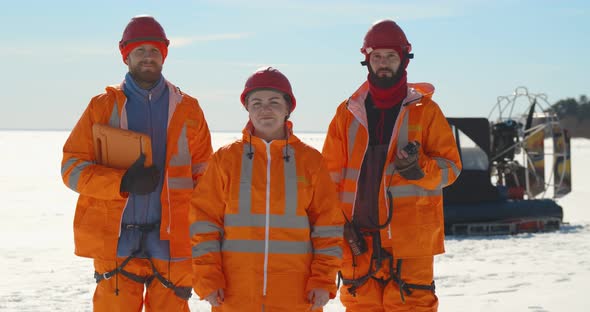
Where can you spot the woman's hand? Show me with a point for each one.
(318, 298)
(215, 299)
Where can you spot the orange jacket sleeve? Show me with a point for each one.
(199, 142)
(78, 168)
(334, 149)
(327, 222)
(439, 159)
(206, 230)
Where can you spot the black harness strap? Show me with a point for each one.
(355, 283)
(376, 259)
(380, 255)
(184, 292)
(119, 269)
(407, 287)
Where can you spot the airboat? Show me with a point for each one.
(516, 165)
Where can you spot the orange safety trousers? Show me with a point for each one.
(131, 293)
(376, 296)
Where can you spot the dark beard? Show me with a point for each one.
(383, 82)
(145, 79)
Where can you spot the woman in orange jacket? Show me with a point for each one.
(266, 227)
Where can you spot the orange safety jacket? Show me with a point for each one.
(266, 225)
(417, 224)
(97, 221)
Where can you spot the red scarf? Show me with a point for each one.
(384, 99)
(388, 98)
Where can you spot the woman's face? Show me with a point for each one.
(267, 110)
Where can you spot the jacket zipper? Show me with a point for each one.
(267, 222)
(151, 132)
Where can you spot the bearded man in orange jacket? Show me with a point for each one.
(266, 227)
(390, 151)
(134, 222)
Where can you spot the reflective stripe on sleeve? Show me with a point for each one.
(204, 248)
(203, 227)
(75, 173)
(327, 231)
(334, 251)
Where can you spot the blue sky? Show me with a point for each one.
(58, 54)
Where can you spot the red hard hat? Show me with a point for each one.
(268, 78)
(143, 28)
(386, 34)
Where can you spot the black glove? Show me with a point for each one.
(409, 167)
(139, 179)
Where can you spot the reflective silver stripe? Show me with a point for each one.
(352, 131)
(198, 168)
(290, 171)
(203, 227)
(444, 178)
(244, 197)
(402, 139)
(411, 190)
(351, 173)
(205, 248)
(444, 166)
(445, 163)
(327, 231)
(334, 251)
(274, 246)
(180, 183)
(347, 197)
(114, 120)
(75, 174)
(336, 177)
(182, 156)
(259, 220)
(70, 162)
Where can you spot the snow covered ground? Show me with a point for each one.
(39, 272)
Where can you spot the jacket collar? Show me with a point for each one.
(249, 137)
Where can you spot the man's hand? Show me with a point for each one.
(216, 298)
(318, 297)
(139, 179)
(406, 162)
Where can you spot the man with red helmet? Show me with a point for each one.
(134, 222)
(266, 227)
(390, 151)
